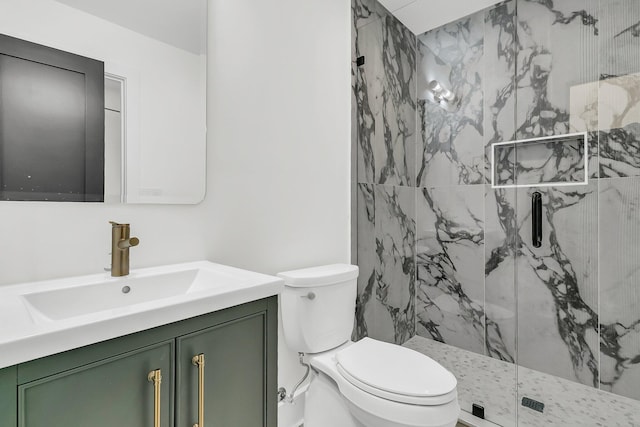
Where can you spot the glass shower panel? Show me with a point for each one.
(499, 70)
(619, 287)
(619, 192)
(557, 288)
(499, 93)
(500, 304)
(556, 273)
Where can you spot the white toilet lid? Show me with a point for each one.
(399, 373)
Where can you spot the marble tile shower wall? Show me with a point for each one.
(444, 255)
(384, 89)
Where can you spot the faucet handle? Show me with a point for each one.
(128, 243)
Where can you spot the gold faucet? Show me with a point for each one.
(120, 244)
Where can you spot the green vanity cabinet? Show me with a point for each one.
(112, 383)
(111, 392)
(9, 396)
(234, 377)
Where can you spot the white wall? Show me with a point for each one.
(40, 240)
(279, 129)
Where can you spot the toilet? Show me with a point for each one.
(368, 383)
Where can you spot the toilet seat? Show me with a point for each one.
(396, 373)
(373, 410)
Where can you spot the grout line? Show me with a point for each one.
(516, 388)
(418, 140)
(597, 254)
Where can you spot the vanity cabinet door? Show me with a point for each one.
(234, 375)
(108, 393)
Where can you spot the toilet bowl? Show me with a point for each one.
(405, 389)
(368, 383)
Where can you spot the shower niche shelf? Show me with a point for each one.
(552, 161)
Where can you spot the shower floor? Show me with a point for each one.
(492, 384)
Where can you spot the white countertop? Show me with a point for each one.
(27, 334)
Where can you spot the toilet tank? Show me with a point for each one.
(318, 307)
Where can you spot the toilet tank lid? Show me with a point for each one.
(319, 276)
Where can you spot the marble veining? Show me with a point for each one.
(452, 149)
(363, 126)
(500, 273)
(619, 116)
(385, 306)
(634, 31)
(619, 292)
(499, 90)
(450, 265)
(445, 256)
(364, 12)
(558, 46)
(620, 151)
(385, 93)
(366, 300)
(395, 231)
(619, 95)
(618, 52)
(557, 283)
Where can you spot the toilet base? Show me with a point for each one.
(325, 406)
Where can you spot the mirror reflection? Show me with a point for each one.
(154, 56)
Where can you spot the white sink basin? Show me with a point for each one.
(116, 293)
(43, 318)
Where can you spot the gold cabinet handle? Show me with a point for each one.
(199, 362)
(156, 377)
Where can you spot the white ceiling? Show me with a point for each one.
(424, 15)
(181, 23)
